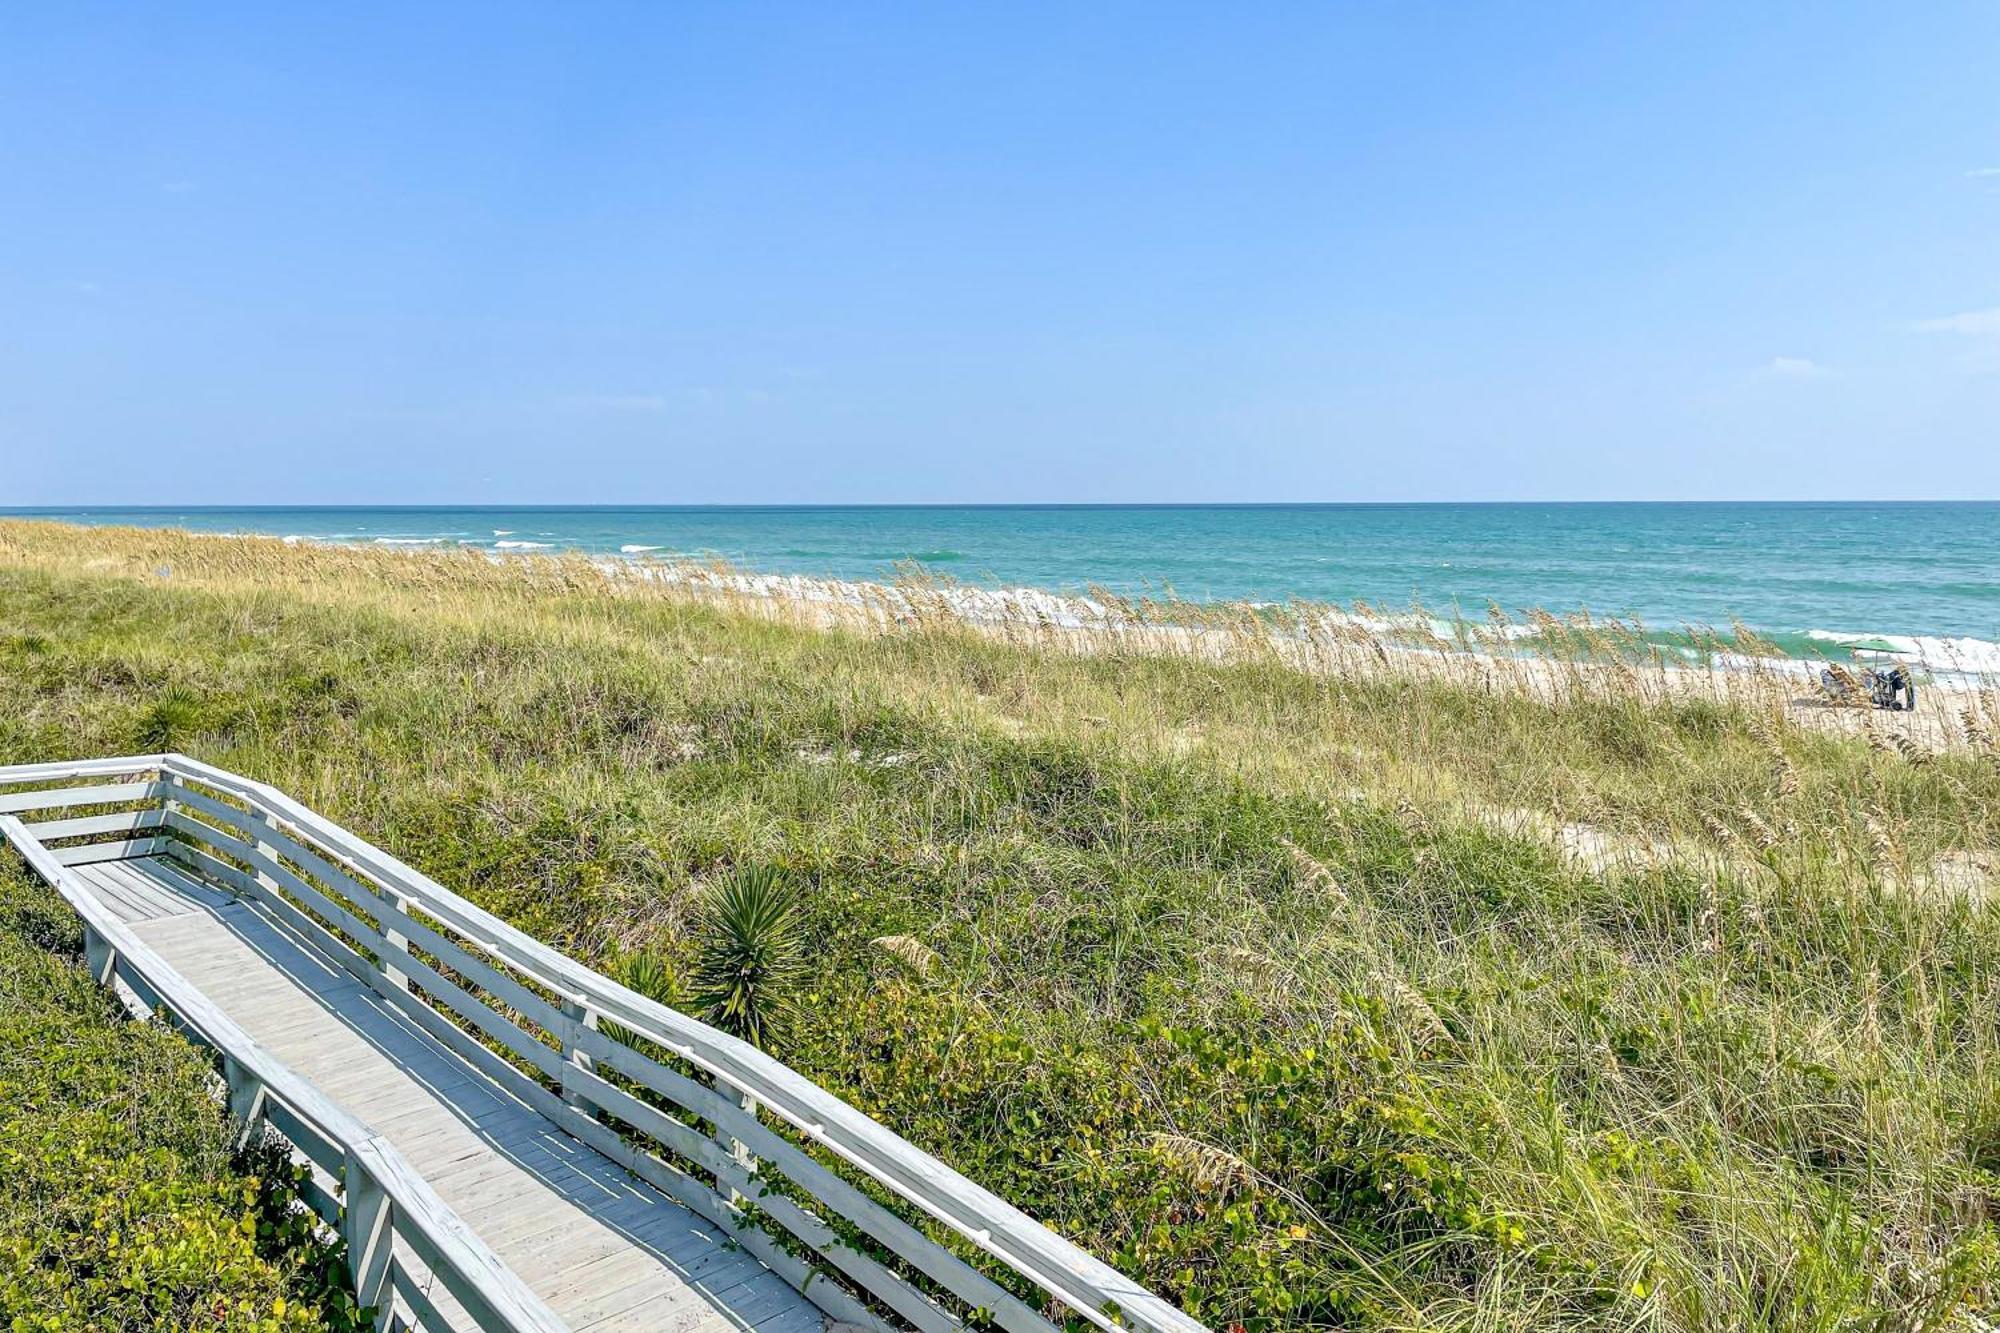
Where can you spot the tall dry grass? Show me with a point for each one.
(1539, 655)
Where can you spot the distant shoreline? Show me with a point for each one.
(1544, 656)
(753, 506)
(1803, 575)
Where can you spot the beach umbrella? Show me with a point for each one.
(1871, 645)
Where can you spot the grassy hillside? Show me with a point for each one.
(1310, 1000)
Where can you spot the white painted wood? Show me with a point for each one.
(91, 825)
(458, 958)
(488, 1156)
(579, 1019)
(64, 798)
(248, 823)
(69, 770)
(368, 1231)
(415, 1293)
(90, 852)
(1084, 1283)
(507, 969)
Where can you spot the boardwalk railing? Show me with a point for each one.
(871, 1229)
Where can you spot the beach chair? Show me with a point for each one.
(1841, 687)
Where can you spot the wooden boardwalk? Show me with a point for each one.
(505, 1139)
(603, 1249)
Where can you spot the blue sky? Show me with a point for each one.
(829, 253)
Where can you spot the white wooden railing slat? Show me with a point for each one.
(92, 825)
(63, 798)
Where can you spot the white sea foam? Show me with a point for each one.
(1955, 662)
(1961, 663)
(1026, 605)
(1940, 653)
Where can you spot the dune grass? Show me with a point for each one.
(1311, 999)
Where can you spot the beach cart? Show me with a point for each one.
(1886, 680)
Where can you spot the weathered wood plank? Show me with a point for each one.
(91, 852)
(91, 825)
(174, 882)
(143, 889)
(114, 893)
(68, 798)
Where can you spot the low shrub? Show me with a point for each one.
(122, 1203)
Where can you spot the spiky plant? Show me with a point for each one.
(750, 954)
(172, 717)
(651, 973)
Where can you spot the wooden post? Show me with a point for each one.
(394, 941)
(170, 806)
(740, 1150)
(246, 1100)
(262, 820)
(585, 1017)
(365, 1226)
(98, 956)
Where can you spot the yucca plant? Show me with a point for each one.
(750, 954)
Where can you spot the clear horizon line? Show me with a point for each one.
(154, 507)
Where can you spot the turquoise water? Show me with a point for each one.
(1920, 570)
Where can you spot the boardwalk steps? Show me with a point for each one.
(507, 1139)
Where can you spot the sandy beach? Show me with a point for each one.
(1956, 702)
(1544, 657)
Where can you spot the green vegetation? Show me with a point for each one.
(1310, 1000)
(122, 1205)
(749, 960)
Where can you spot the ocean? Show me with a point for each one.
(1804, 574)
